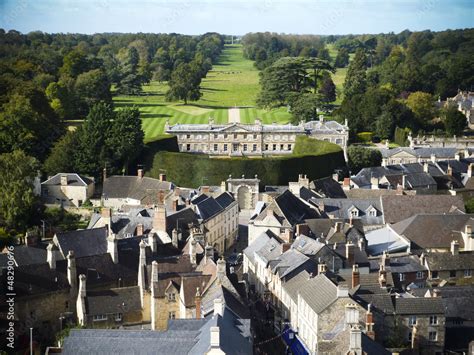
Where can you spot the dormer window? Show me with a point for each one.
(354, 212)
(171, 297)
(371, 211)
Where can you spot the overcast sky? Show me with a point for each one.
(235, 16)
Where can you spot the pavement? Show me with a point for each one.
(234, 115)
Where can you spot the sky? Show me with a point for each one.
(235, 16)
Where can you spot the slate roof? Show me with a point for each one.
(420, 152)
(26, 255)
(225, 199)
(118, 186)
(116, 300)
(293, 285)
(319, 292)
(208, 208)
(448, 261)
(419, 305)
(406, 263)
(83, 242)
(369, 291)
(328, 187)
(306, 245)
(341, 342)
(457, 301)
(269, 251)
(258, 243)
(400, 207)
(433, 230)
(73, 179)
(340, 208)
(230, 127)
(289, 261)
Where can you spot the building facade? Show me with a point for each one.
(235, 139)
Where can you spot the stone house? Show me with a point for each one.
(67, 189)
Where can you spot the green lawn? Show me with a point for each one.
(233, 81)
(340, 75)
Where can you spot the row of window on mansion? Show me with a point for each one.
(240, 137)
(236, 147)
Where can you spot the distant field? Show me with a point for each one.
(231, 82)
(340, 75)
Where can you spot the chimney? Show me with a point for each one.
(374, 182)
(355, 276)
(162, 177)
(433, 158)
(436, 293)
(140, 229)
(221, 268)
(175, 238)
(215, 338)
(174, 205)
(449, 170)
(106, 214)
(154, 302)
(414, 337)
(382, 276)
(422, 259)
(285, 247)
(350, 253)
(352, 314)
(361, 243)
(142, 272)
(455, 247)
(140, 173)
(385, 260)
(346, 184)
(322, 268)
(153, 242)
(457, 156)
(338, 227)
(192, 251)
(161, 196)
(159, 218)
(469, 170)
(197, 301)
(425, 167)
(51, 255)
(71, 271)
(355, 342)
(209, 252)
(218, 307)
(112, 247)
(287, 235)
(81, 301)
(223, 186)
(302, 229)
(369, 323)
(63, 179)
(321, 205)
(205, 190)
(404, 182)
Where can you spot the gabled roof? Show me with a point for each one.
(293, 209)
(370, 291)
(134, 187)
(448, 261)
(419, 305)
(341, 207)
(288, 262)
(85, 242)
(319, 292)
(73, 179)
(115, 300)
(258, 243)
(328, 187)
(208, 208)
(225, 199)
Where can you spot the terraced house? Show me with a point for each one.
(256, 139)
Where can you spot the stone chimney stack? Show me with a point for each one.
(355, 342)
(350, 253)
(81, 301)
(162, 177)
(154, 302)
(140, 173)
(285, 247)
(209, 252)
(455, 247)
(362, 244)
(223, 186)
(425, 167)
(205, 190)
(215, 338)
(72, 271)
(174, 238)
(51, 255)
(469, 170)
(436, 293)
(106, 214)
(322, 268)
(142, 271)
(351, 314)
(355, 276)
(374, 183)
(218, 307)
(433, 158)
(112, 247)
(192, 251)
(159, 218)
(382, 276)
(369, 323)
(197, 301)
(221, 268)
(457, 156)
(153, 242)
(449, 170)
(154, 271)
(385, 260)
(63, 179)
(140, 229)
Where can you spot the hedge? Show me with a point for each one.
(193, 170)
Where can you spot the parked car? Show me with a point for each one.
(235, 259)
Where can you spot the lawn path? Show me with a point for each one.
(234, 115)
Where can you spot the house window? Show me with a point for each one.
(216, 136)
(45, 192)
(289, 146)
(433, 336)
(215, 147)
(354, 212)
(188, 136)
(282, 147)
(467, 273)
(402, 277)
(412, 321)
(274, 147)
(245, 147)
(235, 147)
(188, 147)
(99, 317)
(434, 274)
(225, 147)
(245, 136)
(118, 317)
(373, 213)
(433, 320)
(339, 141)
(266, 146)
(254, 136)
(225, 136)
(171, 315)
(235, 135)
(254, 148)
(452, 273)
(171, 297)
(420, 274)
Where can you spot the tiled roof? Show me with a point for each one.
(419, 305)
(133, 187)
(225, 199)
(341, 207)
(116, 300)
(448, 261)
(258, 243)
(73, 179)
(319, 292)
(83, 242)
(328, 187)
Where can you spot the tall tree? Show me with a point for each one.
(184, 84)
(328, 90)
(17, 173)
(422, 106)
(62, 156)
(342, 58)
(130, 80)
(356, 81)
(454, 121)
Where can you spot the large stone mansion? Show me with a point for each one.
(236, 139)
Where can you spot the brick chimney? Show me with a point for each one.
(350, 253)
(174, 204)
(51, 255)
(346, 184)
(71, 271)
(112, 247)
(302, 229)
(63, 179)
(197, 301)
(159, 218)
(81, 301)
(162, 177)
(140, 173)
(355, 276)
(455, 247)
(205, 190)
(285, 247)
(140, 229)
(287, 235)
(369, 323)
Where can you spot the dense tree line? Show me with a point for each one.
(266, 48)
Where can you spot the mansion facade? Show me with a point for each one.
(236, 139)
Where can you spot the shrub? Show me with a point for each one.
(365, 137)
